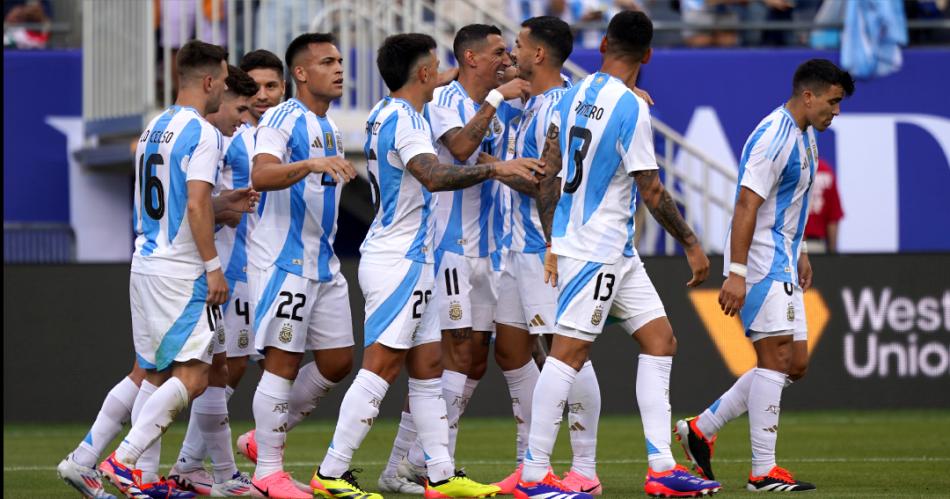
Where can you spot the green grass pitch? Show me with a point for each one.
(846, 454)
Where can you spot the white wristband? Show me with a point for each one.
(212, 264)
(494, 98)
(738, 269)
(804, 246)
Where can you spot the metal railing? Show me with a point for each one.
(33, 242)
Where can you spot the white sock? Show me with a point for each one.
(357, 413)
(154, 418)
(211, 411)
(115, 412)
(270, 422)
(428, 409)
(728, 407)
(547, 409)
(765, 397)
(228, 391)
(193, 449)
(148, 461)
(416, 455)
(309, 387)
(453, 389)
(405, 437)
(583, 403)
(653, 398)
(521, 383)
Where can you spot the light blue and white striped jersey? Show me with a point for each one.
(177, 146)
(526, 232)
(778, 163)
(462, 216)
(605, 136)
(297, 225)
(403, 226)
(235, 173)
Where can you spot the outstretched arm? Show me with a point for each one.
(520, 184)
(438, 177)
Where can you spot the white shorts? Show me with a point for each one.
(588, 292)
(296, 314)
(466, 296)
(170, 320)
(524, 300)
(238, 330)
(774, 308)
(397, 294)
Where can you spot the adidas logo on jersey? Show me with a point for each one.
(537, 321)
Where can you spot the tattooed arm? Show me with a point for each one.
(269, 174)
(463, 142)
(665, 211)
(549, 190)
(438, 177)
(520, 184)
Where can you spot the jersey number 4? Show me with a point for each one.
(154, 190)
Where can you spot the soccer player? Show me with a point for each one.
(466, 117)
(209, 429)
(600, 145)
(301, 298)
(176, 281)
(396, 273)
(526, 307)
(767, 271)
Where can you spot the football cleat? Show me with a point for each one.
(678, 482)
(239, 485)
(165, 489)
(459, 485)
(126, 479)
(247, 446)
(510, 483)
(198, 481)
(399, 485)
(280, 485)
(580, 483)
(777, 480)
(86, 480)
(549, 487)
(699, 449)
(411, 472)
(344, 487)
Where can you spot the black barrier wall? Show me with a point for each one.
(879, 331)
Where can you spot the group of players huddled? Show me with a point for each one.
(504, 199)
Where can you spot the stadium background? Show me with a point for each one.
(879, 315)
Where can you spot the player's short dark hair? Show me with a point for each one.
(240, 83)
(818, 74)
(398, 55)
(471, 35)
(197, 55)
(262, 59)
(300, 44)
(629, 34)
(554, 34)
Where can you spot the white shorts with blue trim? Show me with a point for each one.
(524, 300)
(589, 292)
(170, 320)
(238, 323)
(397, 293)
(774, 308)
(466, 293)
(297, 314)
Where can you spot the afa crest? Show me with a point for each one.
(243, 339)
(455, 311)
(286, 333)
(597, 316)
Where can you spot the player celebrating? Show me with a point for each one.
(525, 305)
(176, 280)
(301, 297)
(767, 271)
(601, 130)
(463, 116)
(396, 273)
(209, 430)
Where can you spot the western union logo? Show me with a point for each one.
(727, 333)
(537, 321)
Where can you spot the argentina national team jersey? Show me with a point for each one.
(778, 163)
(297, 225)
(605, 136)
(177, 146)
(463, 216)
(235, 173)
(403, 226)
(526, 234)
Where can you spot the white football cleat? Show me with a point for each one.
(399, 485)
(238, 486)
(86, 480)
(198, 481)
(412, 473)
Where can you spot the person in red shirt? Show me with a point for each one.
(824, 211)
